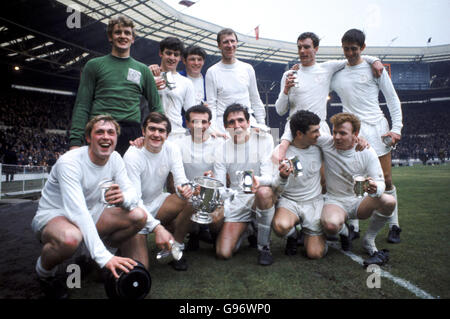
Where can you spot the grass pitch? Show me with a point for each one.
(422, 258)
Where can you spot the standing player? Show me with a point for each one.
(194, 58)
(342, 163)
(148, 168)
(301, 200)
(114, 84)
(232, 81)
(245, 150)
(178, 94)
(71, 210)
(359, 92)
(313, 86)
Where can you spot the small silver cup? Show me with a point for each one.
(170, 82)
(360, 185)
(104, 187)
(295, 74)
(245, 180)
(297, 166)
(165, 256)
(387, 140)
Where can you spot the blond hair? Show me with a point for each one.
(121, 21)
(341, 118)
(98, 118)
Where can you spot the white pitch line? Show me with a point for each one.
(399, 281)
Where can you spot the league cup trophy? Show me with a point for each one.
(245, 180)
(207, 200)
(360, 185)
(104, 187)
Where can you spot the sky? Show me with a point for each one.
(397, 23)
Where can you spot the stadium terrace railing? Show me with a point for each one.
(22, 181)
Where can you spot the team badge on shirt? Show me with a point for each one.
(134, 76)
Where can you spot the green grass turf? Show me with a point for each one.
(422, 258)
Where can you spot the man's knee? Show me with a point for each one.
(138, 217)
(70, 239)
(315, 252)
(223, 254)
(281, 226)
(264, 197)
(388, 204)
(331, 225)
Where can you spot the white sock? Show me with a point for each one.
(376, 223)
(42, 272)
(354, 223)
(393, 220)
(344, 230)
(292, 232)
(264, 221)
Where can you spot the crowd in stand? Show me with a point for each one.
(24, 116)
(425, 132)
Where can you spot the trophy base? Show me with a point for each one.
(202, 218)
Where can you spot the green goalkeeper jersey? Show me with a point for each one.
(112, 85)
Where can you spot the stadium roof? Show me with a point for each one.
(156, 20)
(36, 35)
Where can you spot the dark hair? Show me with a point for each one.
(194, 50)
(354, 36)
(301, 121)
(200, 108)
(235, 107)
(305, 35)
(156, 117)
(171, 43)
(225, 32)
(120, 20)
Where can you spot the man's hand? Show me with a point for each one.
(255, 184)
(120, 263)
(279, 152)
(139, 142)
(372, 188)
(377, 68)
(185, 191)
(156, 70)
(361, 144)
(163, 237)
(114, 195)
(289, 83)
(285, 168)
(395, 137)
(209, 173)
(296, 67)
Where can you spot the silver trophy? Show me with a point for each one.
(170, 82)
(297, 168)
(360, 185)
(295, 74)
(245, 180)
(104, 187)
(207, 200)
(165, 256)
(387, 140)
